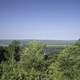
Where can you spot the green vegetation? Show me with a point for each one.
(48, 42)
(28, 62)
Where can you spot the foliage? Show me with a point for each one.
(32, 65)
(15, 48)
(78, 43)
(2, 54)
(67, 65)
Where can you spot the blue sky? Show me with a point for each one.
(40, 19)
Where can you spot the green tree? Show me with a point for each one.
(78, 42)
(15, 50)
(33, 62)
(33, 55)
(67, 65)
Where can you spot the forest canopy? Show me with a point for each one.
(29, 63)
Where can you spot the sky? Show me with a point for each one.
(40, 19)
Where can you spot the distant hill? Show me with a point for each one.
(48, 42)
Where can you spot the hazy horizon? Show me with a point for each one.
(43, 39)
(40, 19)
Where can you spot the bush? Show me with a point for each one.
(67, 65)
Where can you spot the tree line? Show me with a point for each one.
(28, 63)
